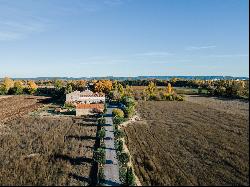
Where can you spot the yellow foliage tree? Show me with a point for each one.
(151, 89)
(103, 86)
(32, 87)
(169, 89)
(8, 83)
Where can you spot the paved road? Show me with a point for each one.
(111, 168)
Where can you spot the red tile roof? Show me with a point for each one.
(90, 106)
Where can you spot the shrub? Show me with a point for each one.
(102, 145)
(123, 158)
(128, 111)
(118, 120)
(101, 121)
(179, 98)
(105, 108)
(69, 105)
(101, 134)
(101, 174)
(99, 156)
(126, 176)
(119, 133)
(128, 101)
(119, 145)
(118, 112)
(3, 90)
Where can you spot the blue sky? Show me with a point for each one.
(123, 37)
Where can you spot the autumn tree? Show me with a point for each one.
(128, 91)
(18, 88)
(151, 89)
(104, 86)
(169, 89)
(118, 112)
(6, 85)
(32, 87)
(80, 85)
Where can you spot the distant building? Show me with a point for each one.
(86, 102)
(86, 97)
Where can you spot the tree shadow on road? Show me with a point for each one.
(110, 183)
(109, 162)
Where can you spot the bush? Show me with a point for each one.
(123, 158)
(101, 174)
(102, 145)
(101, 121)
(118, 120)
(179, 98)
(99, 156)
(69, 105)
(119, 145)
(128, 111)
(118, 112)
(126, 176)
(101, 134)
(105, 108)
(119, 134)
(128, 101)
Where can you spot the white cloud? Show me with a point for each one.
(13, 30)
(155, 54)
(9, 36)
(191, 48)
(228, 55)
(113, 2)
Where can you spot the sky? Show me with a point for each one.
(84, 38)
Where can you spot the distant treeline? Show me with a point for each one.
(135, 78)
(58, 88)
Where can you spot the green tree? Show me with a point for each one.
(119, 145)
(120, 89)
(129, 111)
(101, 121)
(127, 176)
(99, 156)
(68, 89)
(123, 158)
(119, 133)
(118, 120)
(101, 134)
(58, 84)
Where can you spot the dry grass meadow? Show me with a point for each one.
(44, 150)
(200, 141)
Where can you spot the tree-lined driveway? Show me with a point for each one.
(111, 168)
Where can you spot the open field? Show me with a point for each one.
(194, 142)
(45, 150)
(15, 106)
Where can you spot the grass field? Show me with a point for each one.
(194, 142)
(45, 150)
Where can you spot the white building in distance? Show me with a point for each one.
(85, 97)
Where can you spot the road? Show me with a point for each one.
(111, 168)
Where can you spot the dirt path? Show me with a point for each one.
(111, 168)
